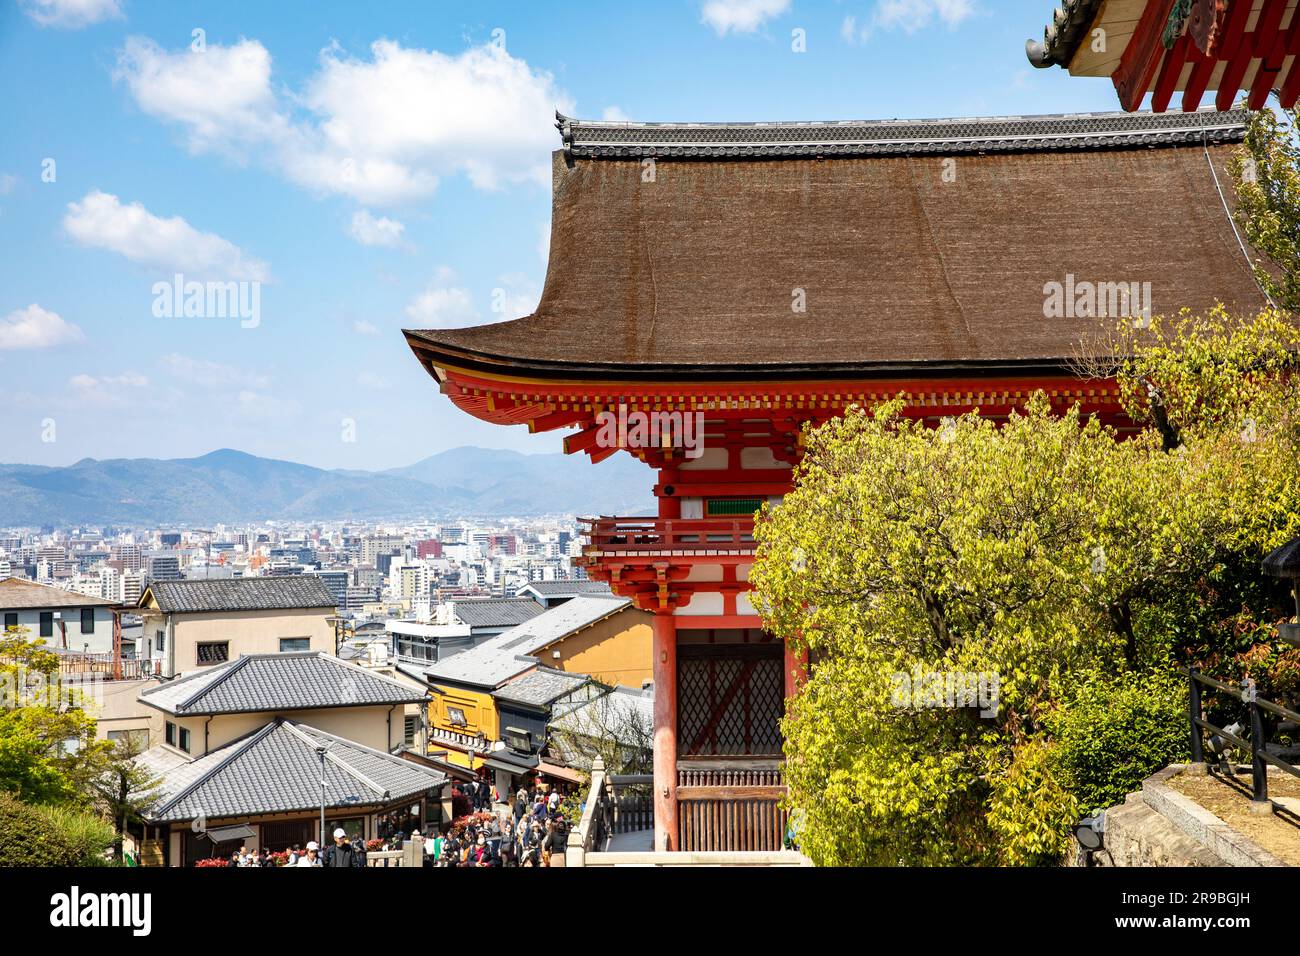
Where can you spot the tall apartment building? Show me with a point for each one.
(131, 556)
(336, 579)
(375, 545)
(164, 567)
(132, 583)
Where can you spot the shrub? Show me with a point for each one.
(1115, 732)
(51, 836)
(1029, 811)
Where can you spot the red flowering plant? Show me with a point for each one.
(374, 845)
(481, 819)
(213, 861)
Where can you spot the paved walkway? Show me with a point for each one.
(634, 842)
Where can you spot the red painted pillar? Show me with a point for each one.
(670, 506)
(665, 739)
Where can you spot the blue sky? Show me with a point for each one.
(372, 166)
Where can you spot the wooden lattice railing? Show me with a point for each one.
(731, 809)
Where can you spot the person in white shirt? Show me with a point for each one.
(311, 857)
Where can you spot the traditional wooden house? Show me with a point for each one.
(246, 743)
(275, 786)
(713, 288)
(490, 704)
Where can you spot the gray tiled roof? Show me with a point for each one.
(540, 687)
(506, 655)
(276, 770)
(242, 594)
(496, 612)
(1070, 24)
(1072, 131)
(17, 594)
(562, 588)
(267, 682)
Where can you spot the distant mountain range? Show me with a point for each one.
(227, 486)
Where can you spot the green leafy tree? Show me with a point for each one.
(48, 750)
(125, 791)
(1115, 730)
(1044, 550)
(1266, 175)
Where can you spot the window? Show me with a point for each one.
(745, 507)
(290, 645)
(87, 620)
(412, 728)
(160, 640)
(138, 739)
(170, 735)
(729, 700)
(11, 620)
(184, 739)
(456, 717)
(214, 653)
(47, 624)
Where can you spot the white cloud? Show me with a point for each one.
(443, 305)
(222, 95)
(71, 14)
(125, 380)
(544, 241)
(913, 15)
(612, 114)
(7, 183)
(741, 16)
(36, 328)
(370, 230)
(173, 245)
(362, 327)
(212, 375)
(381, 129)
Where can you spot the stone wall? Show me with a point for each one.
(1159, 826)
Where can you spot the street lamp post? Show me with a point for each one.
(321, 750)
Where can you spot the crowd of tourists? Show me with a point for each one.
(341, 853)
(527, 829)
(532, 832)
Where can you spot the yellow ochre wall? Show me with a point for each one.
(614, 651)
(480, 711)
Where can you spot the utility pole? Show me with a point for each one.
(321, 750)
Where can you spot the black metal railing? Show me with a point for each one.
(1256, 707)
(631, 798)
